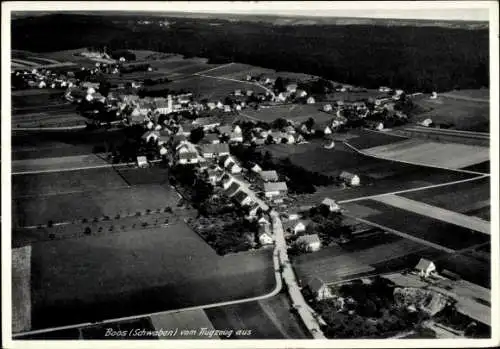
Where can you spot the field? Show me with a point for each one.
(466, 198)
(294, 112)
(483, 167)
(87, 194)
(334, 264)
(368, 139)
(435, 231)
(240, 71)
(136, 272)
(24, 59)
(265, 319)
(57, 163)
(21, 290)
(469, 115)
(480, 95)
(451, 155)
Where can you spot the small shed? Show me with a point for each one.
(425, 267)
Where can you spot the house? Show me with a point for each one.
(213, 175)
(234, 168)
(209, 151)
(300, 93)
(265, 238)
(349, 178)
(256, 168)
(268, 176)
(331, 204)
(187, 154)
(319, 289)
(254, 210)
(150, 135)
(237, 92)
(164, 106)
(263, 221)
(425, 267)
(294, 226)
(290, 130)
(275, 190)
(225, 130)
(310, 243)
(434, 95)
(242, 198)
(291, 88)
(236, 137)
(142, 161)
(42, 84)
(227, 108)
(163, 151)
(207, 123)
(327, 131)
(426, 122)
(281, 97)
(249, 93)
(311, 100)
(232, 189)
(327, 108)
(211, 105)
(237, 129)
(384, 89)
(211, 138)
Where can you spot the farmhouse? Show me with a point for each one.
(265, 238)
(207, 123)
(268, 176)
(294, 226)
(242, 198)
(232, 189)
(425, 267)
(319, 289)
(291, 88)
(275, 190)
(330, 204)
(349, 178)
(310, 243)
(214, 150)
(142, 161)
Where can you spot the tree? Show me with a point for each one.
(280, 123)
(279, 85)
(87, 231)
(284, 140)
(309, 123)
(196, 135)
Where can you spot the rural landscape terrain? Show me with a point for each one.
(237, 177)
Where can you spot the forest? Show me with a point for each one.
(411, 58)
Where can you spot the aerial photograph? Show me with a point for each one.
(250, 174)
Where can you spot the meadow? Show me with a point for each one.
(137, 272)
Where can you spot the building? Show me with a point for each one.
(327, 108)
(187, 154)
(311, 100)
(211, 138)
(291, 88)
(236, 137)
(232, 189)
(268, 176)
(210, 151)
(350, 178)
(150, 135)
(265, 238)
(294, 226)
(164, 106)
(310, 243)
(207, 123)
(227, 180)
(425, 267)
(225, 130)
(234, 168)
(256, 168)
(319, 289)
(275, 190)
(331, 204)
(142, 161)
(242, 198)
(300, 93)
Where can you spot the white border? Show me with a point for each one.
(320, 7)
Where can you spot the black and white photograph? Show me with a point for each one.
(243, 171)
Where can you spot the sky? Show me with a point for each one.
(438, 10)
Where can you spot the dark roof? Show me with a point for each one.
(215, 148)
(240, 196)
(233, 188)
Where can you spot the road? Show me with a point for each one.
(299, 303)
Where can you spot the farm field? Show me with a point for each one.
(57, 163)
(239, 71)
(366, 139)
(480, 95)
(76, 196)
(451, 155)
(465, 115)
(21, 298)
(294, 112)
(55, 106)
(435, 231)
(472, 223)
(48, 119)
(483, 167)
(266, 319)
(462, 197)
(37, 94)
(137, 272)
(189, 320)
(334, 264)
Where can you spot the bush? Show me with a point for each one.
(52, 236)
(168, 209)
(117, 216)
(138, 214)
(87, 231)
(50, 224)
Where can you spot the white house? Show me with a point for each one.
(291, 88)
(425, 267)
(426, 122)
(242, 198)
(319, 289)
(187, 154)
(256, 168)
(331, 204)
(310, 243)
(311, 100)
(150, 135)
(350, 178)
(275, 190)
(142, 161)
(42, 84)
(300, 93)
(327, 108)
(236, 137)
(163, 151)
(434, 95)
(209, 151)
(268, 176)
(294, 226)
(327, 131)
(207, 123)
(265, 238)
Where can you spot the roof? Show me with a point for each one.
(423, 264)
(210, 120)
(226, 129)
(329, 202)
(211, 137)
(271, 175)
(233, 188)
(188, 155)
(142, 159)
(316, 284)
(240, 196)
(215, 148)
(347, 175)
(292, 224)
(309, 239)
(275, 186)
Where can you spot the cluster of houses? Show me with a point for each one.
(45, 78)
